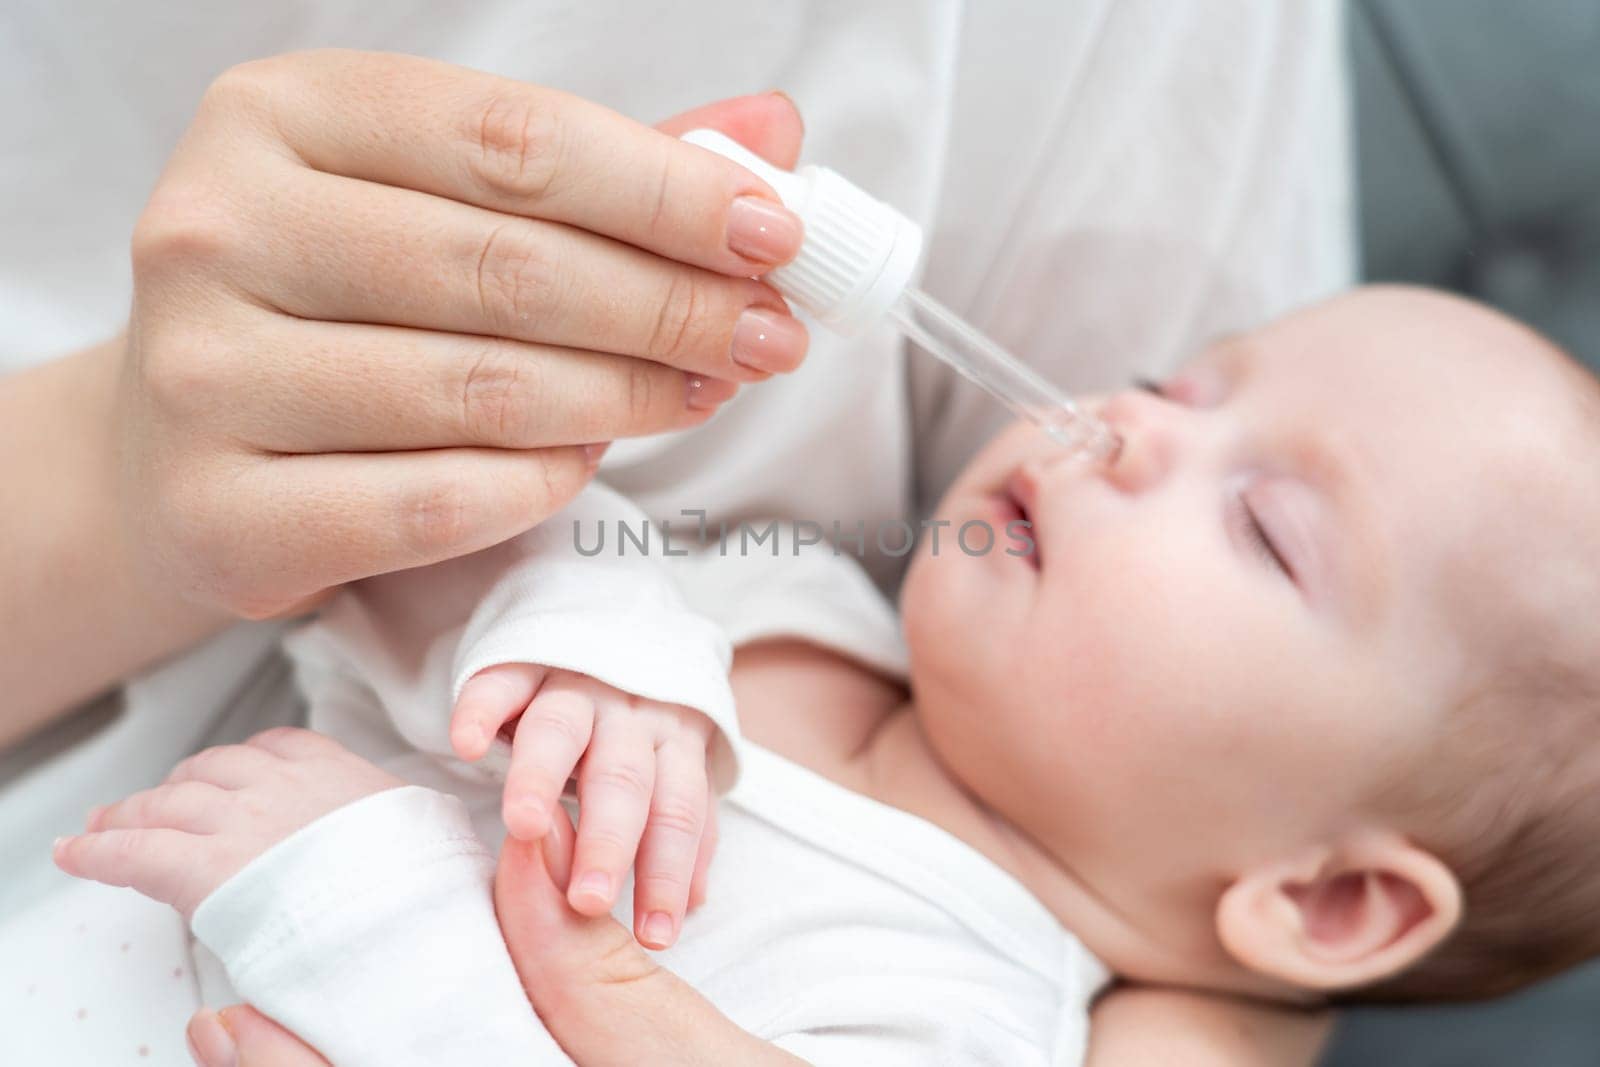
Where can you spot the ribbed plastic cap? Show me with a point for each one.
(858, 254)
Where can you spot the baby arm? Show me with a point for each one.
(559, 664)
(350, 907)
(216, 812)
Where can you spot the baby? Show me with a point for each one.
(1295, 699)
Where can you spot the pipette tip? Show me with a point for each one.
(1086, 435)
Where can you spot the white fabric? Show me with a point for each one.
(844, 930)
(94, 975)
(616, 616)
(1103, 185)
(385, 935)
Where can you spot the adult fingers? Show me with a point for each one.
(551, 738)
(615, 782)
(671, 843)
(461, 269)
(563, 958)
(489, 700)
(702, 859)
(367, 514)
(336, 387)
(240, 1036)
(768, 124)
(583, 974)
(514, 148)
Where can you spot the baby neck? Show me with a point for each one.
(899, 767)
(862, 731)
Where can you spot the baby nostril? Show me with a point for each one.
(1113, 449)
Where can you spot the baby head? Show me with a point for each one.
(1301, 687)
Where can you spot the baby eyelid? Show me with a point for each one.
(1191, 388)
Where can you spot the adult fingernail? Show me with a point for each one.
(706, 394)
(209, 1041)
(596, 884)
(763, 230)
(591, 456)
(765, 340)
(658, 929)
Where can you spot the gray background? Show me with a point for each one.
(1478, 148)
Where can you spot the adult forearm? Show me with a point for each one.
(76, 614)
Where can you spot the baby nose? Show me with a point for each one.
(1148, 441)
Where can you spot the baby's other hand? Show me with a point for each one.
(218, 810)
(643, 789)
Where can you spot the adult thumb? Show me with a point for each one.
(768, 124)
(559, 953)
(601, 995)
(240, 1036)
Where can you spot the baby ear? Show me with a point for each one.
(1342, 916)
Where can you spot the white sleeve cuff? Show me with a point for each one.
(673, 659)
(371, 934)
(616, 616)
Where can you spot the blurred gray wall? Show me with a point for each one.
(1478, 148)
(1478, 152)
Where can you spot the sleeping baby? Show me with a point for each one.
(1295, 698)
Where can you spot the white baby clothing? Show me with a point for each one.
(842, 929)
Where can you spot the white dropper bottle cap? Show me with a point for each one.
(854, 268)
(859, 253)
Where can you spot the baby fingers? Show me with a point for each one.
(670, 848)
(161, 863)
(190, 806)
(551, 738)
(615, 784)
(227, 766)
(490, 699)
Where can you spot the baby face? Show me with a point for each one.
(1233, 633)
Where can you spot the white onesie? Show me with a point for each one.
(840, 928)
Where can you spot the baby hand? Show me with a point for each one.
(218, 810)
(642, 784)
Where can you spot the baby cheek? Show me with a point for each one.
(1147, 674)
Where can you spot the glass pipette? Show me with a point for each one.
(854, 268)
(1019, 387)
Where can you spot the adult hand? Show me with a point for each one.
(240, 1036)
(602, 997)
(381, 304)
